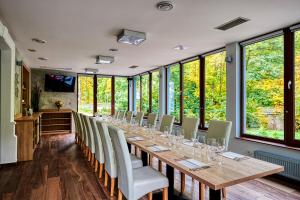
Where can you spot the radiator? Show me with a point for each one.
(291, 165)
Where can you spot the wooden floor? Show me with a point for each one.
(60, 171)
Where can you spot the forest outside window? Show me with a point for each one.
(104, 95)
(85, 94)
(155, 91)
(145, 93)
(297, 85)
(174, 91)
(121, 93)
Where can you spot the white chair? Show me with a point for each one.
(190, 127)
(110, 160)
(139, 118)
(91, 143)
(85, 135)
(152, 119)
(129, 115)
(99, 154)
(134, 183)
(219, 129)
(116, 114)
(167, 121)
(121, 115)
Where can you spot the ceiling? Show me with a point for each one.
(77, 30)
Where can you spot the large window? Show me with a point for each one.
(138, 93)
(215, 87)
(191, 88)
(174, 91)
(85, 94)
(121, 93)
(155, 91)
(297, 85)
(104, 95)
(264, 98)
(145, 93)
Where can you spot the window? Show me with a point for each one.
(104, 95)
(138, 93)
(145, 93)
(297, 85)
(174, 91)
(191, 86)
(155, 91)
(121, 93)
(215, 87)
(85, 94)
(264, 88)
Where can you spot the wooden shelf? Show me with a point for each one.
(56, 122)
(56, 125)
(55, 118)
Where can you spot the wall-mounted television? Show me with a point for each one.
(59, 83)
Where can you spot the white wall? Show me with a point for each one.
(8, 140)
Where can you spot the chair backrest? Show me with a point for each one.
(80, 126)
(219, 129)
(152, 119)
(109, 154)
(116, 114)
(121, 115)
(75, 121)
(124, 165)
(84, 129)
(167, 120)
(139, 118)
(129, 116)
(98, 143)
(90, 135)
(190, 127)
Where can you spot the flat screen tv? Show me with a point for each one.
(59, 83)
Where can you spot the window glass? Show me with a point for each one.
(191, 85)
(138, 93)
(174, 91)
(121, 93)
(104, 95)
(85, 94)
(264, 88)
(297, 85)
(145, 93)
(155, 91)
(215, 87)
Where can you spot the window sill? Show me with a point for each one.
(268, 143)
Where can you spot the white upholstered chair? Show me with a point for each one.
(110, 160)
(129, 115)
(121, 114)
(134, 183)
(167, 121)
(219, 129)
(190, 127)
(139, 118)
(152, 119)
(85, 136)
(91, 143)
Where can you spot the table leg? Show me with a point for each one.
(170, 175)
(214, 194)
(129, 147)
(144, 156)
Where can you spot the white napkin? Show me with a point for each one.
(136, 138)
(232, 155)
(188, 143)
(192, 164)
(157, 148)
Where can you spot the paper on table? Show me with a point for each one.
(192, 164)
(157, 148)
(232, 155)
(136, 138)
(188, 143)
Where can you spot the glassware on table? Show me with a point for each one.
(202, 144)
(212, 149)
(221, 143)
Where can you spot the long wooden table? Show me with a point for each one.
(216, 177)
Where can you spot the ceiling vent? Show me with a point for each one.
(39, 40)
(164, 6)
(104, 59)
(133, 67)
(91, 70)
(232, 23)
(131, 37)
(43, 58)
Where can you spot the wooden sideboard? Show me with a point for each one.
(28, 133)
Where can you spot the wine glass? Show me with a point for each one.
(221, 143)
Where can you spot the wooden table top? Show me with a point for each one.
(231, 172)
(34, 117)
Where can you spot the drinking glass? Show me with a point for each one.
(221, 142)
(212, 149)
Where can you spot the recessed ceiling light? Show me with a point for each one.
(39, 40)
(104, 59)
(131, 37)
(42, 58)
(180, 47)
(164, 6)
(31, 50)
(91, 70)
(133, 66)
(113, 49)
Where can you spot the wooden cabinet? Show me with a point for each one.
(28, 133)
(55, 122)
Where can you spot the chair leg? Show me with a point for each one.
(201, 191)
(135, 150)
(224, 193)
(150, 160)
(165, 193)
(159, 165)
(92, 159)
(150, 195)
(112, 186)
(89, 155)
(96, 166)
(101, 170)
(120, 195)
(182, 179)
(105, 179)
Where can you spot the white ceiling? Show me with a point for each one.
(78, 30)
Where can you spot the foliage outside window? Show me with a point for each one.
(145, 93)
(297, 84)
(264, 62)
(191, 84)
(155, 91)
(85, 94)
(138, 93)
(104, 95)
(174, 91)
(121, 93)
(215, 87)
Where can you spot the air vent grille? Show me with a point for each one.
(232, 23)
(133, 67)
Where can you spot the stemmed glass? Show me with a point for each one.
(212, 149)
(202, 143)
(195, 145)
(221, 142)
